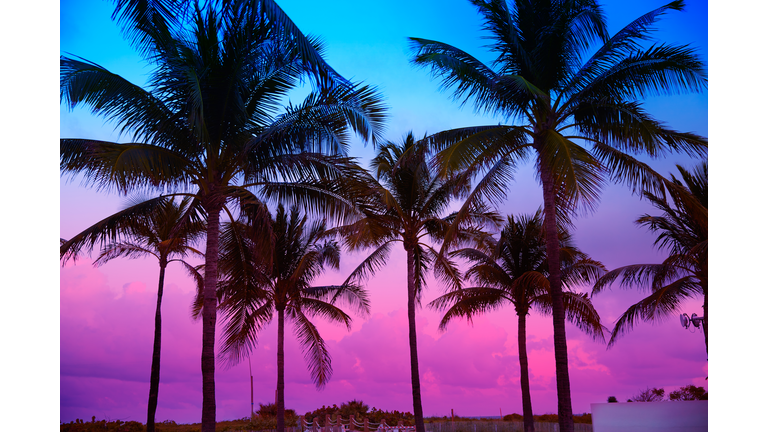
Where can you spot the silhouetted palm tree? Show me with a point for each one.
(267, 266)
(406, 203)
(542, 75)
(683, 230)
(514, 270)
(162, 228)
(210, 123)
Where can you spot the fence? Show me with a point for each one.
(498, 426)
(351, 425)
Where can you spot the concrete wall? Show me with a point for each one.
(668, 416)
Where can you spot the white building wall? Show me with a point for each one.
(667, 416)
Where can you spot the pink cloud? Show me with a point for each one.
(106, 341)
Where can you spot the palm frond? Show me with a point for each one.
(445, 270)
(109, 229)
(132, 108)
(125, 250)
(577, 172)
(241, 331)
(315, 352)
(148, 22)
(467, 303)
(627, 40)
(662, 303)
(579, 310)
(636, 275)
(123, 167)
(471, 78)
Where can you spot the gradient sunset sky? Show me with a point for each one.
(106, 313)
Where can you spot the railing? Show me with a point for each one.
(498, 426)
(350, 425)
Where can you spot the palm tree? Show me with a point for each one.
(209, 124)
(263, 275)
(514, 270)
(405, 203)
(161, 228)
(682, 229)
(582, 118)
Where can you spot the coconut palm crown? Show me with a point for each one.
(211, 122)
(581, 119)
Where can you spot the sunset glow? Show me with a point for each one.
(472, 368)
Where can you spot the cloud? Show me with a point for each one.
(107, 333)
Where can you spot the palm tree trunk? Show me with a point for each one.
(213, 208)
(525, 386)
(154, 377)
(418, 413)
(280, 402)
(564, 408)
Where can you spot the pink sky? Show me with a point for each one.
(106, 314)
(106, 338)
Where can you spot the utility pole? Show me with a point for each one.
(251, 372)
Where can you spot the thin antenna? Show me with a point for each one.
(251, 372)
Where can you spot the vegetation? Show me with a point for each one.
(267, 416)
(210, 125)
(648, 395)
(513, 270)
(160, 228)
(267, 267)
(360, 411)
(682, 229)
(684, 393)
(405, 203)
(545, 75)
(103, 425)
(688, 393)
(352, 408)
(266, 420)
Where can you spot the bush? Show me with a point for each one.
(649, 395)
(266, 418)
(101, 426)
(360, 411)
(689, 392)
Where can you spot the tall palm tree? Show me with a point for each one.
(683, 230)
(210, 122)
(406, 203)
(514, 270)
(581, 115)
(161, 228)
(267, 275)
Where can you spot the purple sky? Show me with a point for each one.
(105, 313)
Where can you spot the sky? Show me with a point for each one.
(105, 324)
